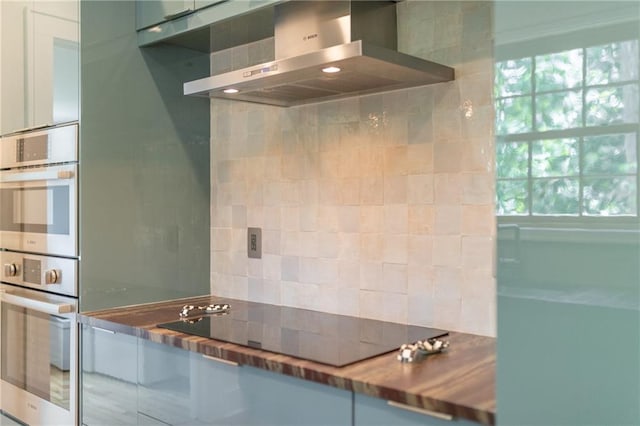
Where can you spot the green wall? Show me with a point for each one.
(144, 164)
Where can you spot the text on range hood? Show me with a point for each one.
(359, 38)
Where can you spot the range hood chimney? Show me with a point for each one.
(326, 50)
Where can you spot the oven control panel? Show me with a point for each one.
(40, 147)
(54, 274)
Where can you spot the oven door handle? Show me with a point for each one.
(37, 305)
(35, 176)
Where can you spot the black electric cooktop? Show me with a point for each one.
(335, 340)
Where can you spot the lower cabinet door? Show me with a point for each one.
(179, 387)
(108, 378)
(378, 412)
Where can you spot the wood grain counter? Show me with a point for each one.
(459, 382)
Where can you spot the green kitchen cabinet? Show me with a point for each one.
(179, 387)
(39, 45)
(369, 411)
(204, 25)
(108, 378)
(153, 12)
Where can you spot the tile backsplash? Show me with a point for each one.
(378, 206)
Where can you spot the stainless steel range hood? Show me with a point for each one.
(356, 40)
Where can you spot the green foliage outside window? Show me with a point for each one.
(567, 132)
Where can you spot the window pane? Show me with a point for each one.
(559, 70)
(612, 105)
(557, 111)
(513, 115)
(612, 62)
(513, 77)
(512, 197)
(512, 159)
(610, 154)
(610, 196)
(558, 157)
(555, 196)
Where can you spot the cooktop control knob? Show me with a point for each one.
(10, 269)
(52, 276)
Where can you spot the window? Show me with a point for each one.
(567, 132)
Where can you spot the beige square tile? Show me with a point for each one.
(349, 246)
(420, 159)
(328, 244)
(448, 220)
(240, 288)
(478, 220)
(271, 291)
(221, 216)
(447, 157)
(420, 250)
(271, 267)
(271, 241)
(290, 218)
(349, 161)
(420, 189)
(238, 240)
(272, 217)
(221, 239)
(477, 252)
(396, 160)
(272, 194)
(396, 219)
(396, 248)
(421, 219)
(421, 310)
(448, 188)
(478, 188)
(395, 190)
(327, 218)
(371, 276)
(239, 264)
(330, 192)
(478, 155)
(290, 243)
(420, 279)
(371, 159)
(384, 306)
(372, 191)
(447, 250)
(348, 274)
(350, 191)
(290, 193)
(308, 244)
(254, 268)
(447, 314)
(308, 217)
(371, 247)
(348, 218)
(330, 164)
(221, 262)
(290, 268)
(371, 219)
(448, 283)
(395, 278)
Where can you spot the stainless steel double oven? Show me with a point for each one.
(39, 267)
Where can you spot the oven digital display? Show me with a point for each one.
(32, 149)
(31, 271)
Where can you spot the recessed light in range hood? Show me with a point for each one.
(314, 36)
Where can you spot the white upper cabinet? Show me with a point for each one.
(40, 62)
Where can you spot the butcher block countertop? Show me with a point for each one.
(459, 382)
